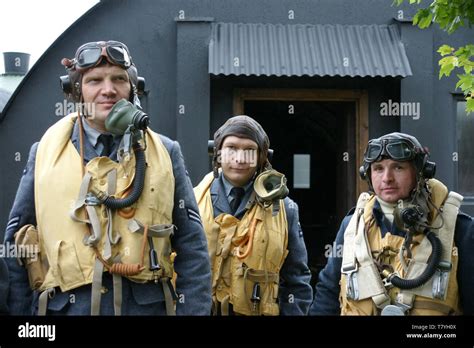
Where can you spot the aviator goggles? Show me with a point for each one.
(396, 149)
(91, 53)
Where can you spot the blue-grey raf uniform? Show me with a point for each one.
(4, 282)
(193, 285)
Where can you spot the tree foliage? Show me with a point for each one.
(451, 15)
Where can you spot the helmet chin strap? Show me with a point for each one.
(82, 110)
(134, 96)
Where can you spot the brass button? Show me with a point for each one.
(104, 290)
(102, 182)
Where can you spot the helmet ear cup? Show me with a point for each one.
(66, 84)
(210, 147)
(363, 173)
(140, 85)
(429, 170)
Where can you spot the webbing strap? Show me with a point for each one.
(117, 280)
(349, 261)
(107, 253)
(81, 199)
(434, 306)
(111, 187)
(362, 277)
(156, 231)
(369, 281)
(94, 238)
(96, 287)
(169, 303)
(43, 301)
(446, 233)
(112, 182)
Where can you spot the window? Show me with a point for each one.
(465, 143)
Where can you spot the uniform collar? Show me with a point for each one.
(228, 186)
(91, 144)
(219, 199)
(92, 134)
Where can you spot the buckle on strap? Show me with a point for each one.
(352, 287)
(441, 279)
(395, 310)
(91, 200)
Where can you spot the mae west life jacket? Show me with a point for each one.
(246, 255)
(69, 262)
(362, 290)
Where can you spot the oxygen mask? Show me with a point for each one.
(270, 187)
(128, 120)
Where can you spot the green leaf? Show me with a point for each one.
(466, 82)
(470, 49)
(445, 70)
(445, 49)
(426, 22)
(423, 18)
(447, 65)
(469, 105)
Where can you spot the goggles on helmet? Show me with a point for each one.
(396, 149)
(91, 53)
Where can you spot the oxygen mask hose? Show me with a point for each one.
(412, 219)
(137, 186)
(125, 117)
(429, 270)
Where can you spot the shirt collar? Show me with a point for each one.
(92, 134)
(228, 186)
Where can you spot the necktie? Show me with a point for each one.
(108, 141)
(237, 194)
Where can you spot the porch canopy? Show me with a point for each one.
(307, 50)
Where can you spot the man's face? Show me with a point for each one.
(102, 87)
(239, 159)
(393, 180)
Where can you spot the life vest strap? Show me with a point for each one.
(96, 287)
(169, 303)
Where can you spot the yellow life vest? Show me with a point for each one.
(70, 263)
(234, 278)
(387, 249)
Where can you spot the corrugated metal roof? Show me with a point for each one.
(304, 49)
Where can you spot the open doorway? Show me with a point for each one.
(315, 145)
